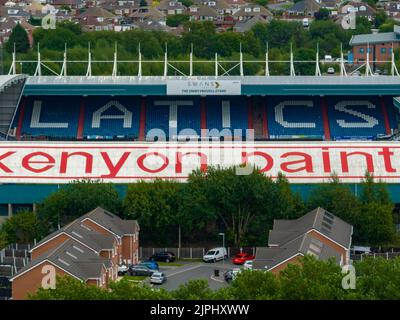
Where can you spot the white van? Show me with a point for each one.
(306, 23)
(215, 255)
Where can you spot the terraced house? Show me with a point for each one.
(89, 249)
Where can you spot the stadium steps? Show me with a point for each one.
(9, 99)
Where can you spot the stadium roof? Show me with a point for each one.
(250, 85)
(383, 37)
(6, 81)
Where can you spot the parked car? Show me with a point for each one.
(151, 264)
(140, 271)
(122, 269)
(248, 265)
(230, 275)
(164, 256)
(241, 258)
(331, 70)
(215, 255)
(158, 278)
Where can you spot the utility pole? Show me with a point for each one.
(1, 60)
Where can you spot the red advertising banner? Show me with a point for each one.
(313, 162)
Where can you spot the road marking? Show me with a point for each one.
(182, 271)
(218, 280)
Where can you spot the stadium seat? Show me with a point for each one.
(50, 116)
(111, 118)
(294, 117)
(355, 118)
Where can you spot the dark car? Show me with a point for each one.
(141, 271)
(150, 264)
(164, 256)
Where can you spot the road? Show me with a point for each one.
(193, 271)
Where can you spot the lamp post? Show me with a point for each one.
(223, 247)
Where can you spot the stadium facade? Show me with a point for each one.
(123, 129)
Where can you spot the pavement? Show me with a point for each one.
(193, 271)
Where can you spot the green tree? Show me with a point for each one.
(322, 14)
(380, 18)
(378, 278)
(22, 227)
(155, 205)
(174, 20)
(194, 290)
(68, 288)
(337, 198)
(255, 285)
(312, 279)
(19, 37)
(74, 200)
(376, 215)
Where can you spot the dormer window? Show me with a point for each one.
(256, 9)
(212, 3)
(172, 3)
(247, 9)
(100, 19)
(193, 9)
(363, 8)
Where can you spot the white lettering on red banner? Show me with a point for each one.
(130, 162)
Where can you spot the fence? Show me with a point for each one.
(385, 255)
(192, 253)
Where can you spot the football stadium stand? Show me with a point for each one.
(274, 118)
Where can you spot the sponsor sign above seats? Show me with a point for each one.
(203, 87)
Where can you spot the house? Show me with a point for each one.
(170, 7)
(73, 4)
(97, 19)
(250, 11)
(318, 233)
(378, 44)
(202, 13)
(70, 258)
(361, 9)
(304, 8)
(392, 8)
(90, 249)
(148, 16)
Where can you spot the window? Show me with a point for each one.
(383, 50)
(247, 9)
(256, 9)
(361, 50)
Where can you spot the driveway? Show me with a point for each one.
(196, 270)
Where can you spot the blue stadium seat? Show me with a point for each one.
(234, 117)
(355, 117)
(53, 117)
(294, 117)
(111, 117)
(158, 115)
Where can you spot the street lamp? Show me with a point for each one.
(223, 246)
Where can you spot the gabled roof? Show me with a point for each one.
(203, 11)
(305, 6)
(97, 12)
(111, 222)
(269, 258)
(72, 257)
(318, 219)
(262, 11)
(83, 234)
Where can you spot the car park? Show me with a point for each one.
(158, 278)
(215, 254)
(241, 258)
(164, 256)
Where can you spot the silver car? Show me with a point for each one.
(158, 278)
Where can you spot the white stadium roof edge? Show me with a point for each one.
(245, 80)
(7, 80)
